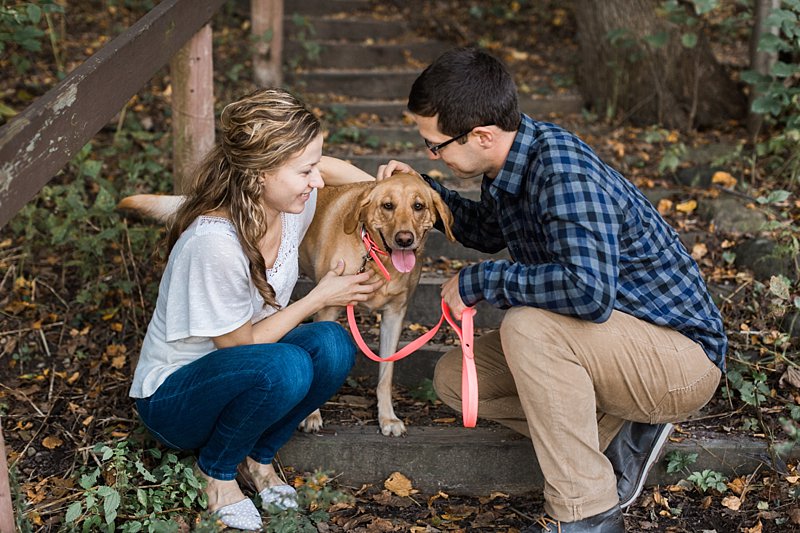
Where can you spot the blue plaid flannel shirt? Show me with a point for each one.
(583, 241)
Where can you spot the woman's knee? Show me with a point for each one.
(335, 348)
(286, 371)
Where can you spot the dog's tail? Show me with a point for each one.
(160, 207)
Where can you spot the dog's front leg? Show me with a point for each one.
(391, 326)
(313, 422)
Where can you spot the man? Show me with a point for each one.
(611, 333)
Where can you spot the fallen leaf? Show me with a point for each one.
(724, 179)
(118, 362)
(791, 377)
(706, 503)
(732, 502)
(737, 485)
(755, 529)
(699, 251)
(794, 516)
(399, 485)
(664, 206)
(52, 443)
(686, 207)
(448, 420)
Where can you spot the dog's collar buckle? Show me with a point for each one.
(372, 254)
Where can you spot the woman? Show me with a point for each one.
(226, 367)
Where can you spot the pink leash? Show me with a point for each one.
(466, 333)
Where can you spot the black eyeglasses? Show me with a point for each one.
(434, 148)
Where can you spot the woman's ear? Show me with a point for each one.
(444, 215)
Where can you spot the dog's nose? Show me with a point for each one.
(404, 238)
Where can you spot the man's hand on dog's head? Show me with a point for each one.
(393, 167)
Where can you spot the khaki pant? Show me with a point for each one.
(569, 385)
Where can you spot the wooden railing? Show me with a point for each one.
(40, 141)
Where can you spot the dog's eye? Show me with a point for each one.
(388, 206)
(418, 206)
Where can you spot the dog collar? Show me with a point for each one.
(373, 250)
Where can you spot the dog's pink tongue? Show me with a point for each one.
(403, 260)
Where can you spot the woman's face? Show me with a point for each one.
(287, 189)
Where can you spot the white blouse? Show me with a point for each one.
(206, 291)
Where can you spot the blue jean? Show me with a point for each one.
(248, 400)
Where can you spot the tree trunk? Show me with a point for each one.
(673, 85)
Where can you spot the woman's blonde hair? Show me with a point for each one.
(258, 134)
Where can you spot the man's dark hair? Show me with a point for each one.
(466, 87)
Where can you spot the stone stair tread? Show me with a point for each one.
(477, 461)
(382, 71)
(327, 7)
(354, 28)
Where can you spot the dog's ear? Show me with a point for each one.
(352, 222)
(444, 215)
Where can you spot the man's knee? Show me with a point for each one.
(531, 334)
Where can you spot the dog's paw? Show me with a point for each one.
(312, 423)
(392, 427)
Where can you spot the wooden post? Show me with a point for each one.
(267, 31)
(192, 71)
(6, 509)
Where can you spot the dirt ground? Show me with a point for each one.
(65, 364)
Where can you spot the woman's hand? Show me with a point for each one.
(339, 289)
(393, 167)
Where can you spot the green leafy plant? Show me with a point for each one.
(424, 391)
(778, 92)
(151, 497)
(704, 480)
(316, 495)
(353, 134)
(20, 30)
(679, 461)
(709, 480)
(305, 36)
(19, 503)
(83, 230)
(750, 385)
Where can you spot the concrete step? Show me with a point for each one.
(379, 84)
(354, 28)
(425, 305)
(438, 245)
(408, 372)
(352, 55)
(553, 105)
(418, 160)
(478, 461)
(386, 139)
(380, 111)
(326, 7)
